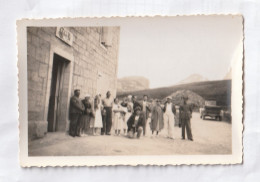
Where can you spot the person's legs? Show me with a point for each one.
(73, 124)
(103, 129)
(72, 127)
(166, 124)
(145, 121)
(108, 120)
(139, 131)
(170, 125)
(188, 128)
(183, 123)
(87, 124)
(78, 126)
(82, 125)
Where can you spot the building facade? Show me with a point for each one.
(61, 59)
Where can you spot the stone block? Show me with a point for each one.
(43, 70)
(32, 30)
(35, 40)
(43, 35)
(31, 51)
(37, 129)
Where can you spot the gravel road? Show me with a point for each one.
(210, 137)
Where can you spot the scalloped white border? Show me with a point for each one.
(26, 161)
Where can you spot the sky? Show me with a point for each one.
(168, 50)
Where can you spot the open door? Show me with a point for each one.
(55, 92)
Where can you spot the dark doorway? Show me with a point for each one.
(59, 64)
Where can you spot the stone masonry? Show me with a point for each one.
(94, 70)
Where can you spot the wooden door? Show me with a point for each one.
(55, 94)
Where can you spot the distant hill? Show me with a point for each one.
(194, 98)
(208, 90)
(193, 78)
(132, 83)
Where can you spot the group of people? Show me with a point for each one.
(129, 117)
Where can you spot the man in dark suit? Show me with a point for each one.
(76, 109)
(185, 116)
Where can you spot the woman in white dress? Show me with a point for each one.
(98, 117)
(118, 117)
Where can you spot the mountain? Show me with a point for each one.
(132, 83)
(193, 78)
(219, 91)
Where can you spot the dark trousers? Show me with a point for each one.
(103, 129)
(74, 124)
(107, 122)
(185, 123)
(145, 121)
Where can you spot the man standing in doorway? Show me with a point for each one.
(185, 116)
(76, 109)
(169, 112)
(146, 110)
(107, 103)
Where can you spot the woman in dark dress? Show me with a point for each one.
(86, 116)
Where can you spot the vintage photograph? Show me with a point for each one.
(158, 86)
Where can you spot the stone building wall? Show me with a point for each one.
(91, 67)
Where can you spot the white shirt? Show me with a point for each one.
(144, 105)
(169, 107)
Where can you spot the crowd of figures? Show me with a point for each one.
(128, 117)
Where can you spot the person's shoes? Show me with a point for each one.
(183, 138)
(108, 133)
(191, 139)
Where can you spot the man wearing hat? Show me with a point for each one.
(185, 116)
(135, 123)
(169, 112)
(76, 109)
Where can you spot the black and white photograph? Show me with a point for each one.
(126, 87)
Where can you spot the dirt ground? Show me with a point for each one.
(210, 137)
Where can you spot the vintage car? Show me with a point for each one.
(213, 112)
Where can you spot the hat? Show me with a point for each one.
(129, 96)
(87, 95)
(168, 97)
